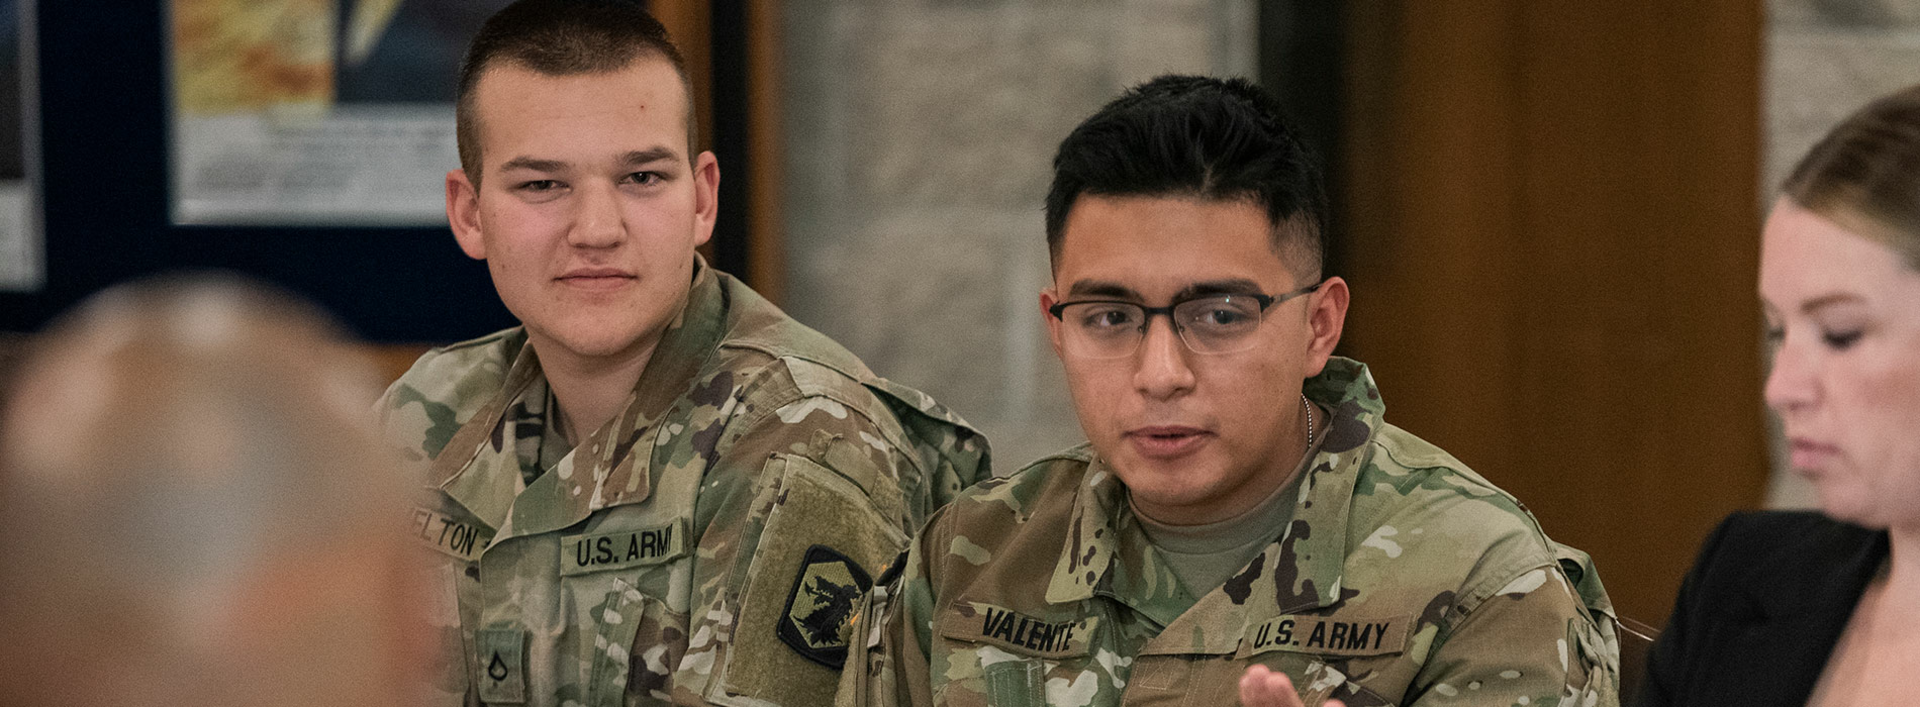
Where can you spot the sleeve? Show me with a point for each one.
(799, 508)
(1532, 641)
(1666, 670)
(413, 425)
(890, 666)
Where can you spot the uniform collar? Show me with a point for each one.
(1107, 553)
(479, 466)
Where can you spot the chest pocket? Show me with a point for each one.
(637, 641)
(626, 582)
(997, 657)
(450, 541)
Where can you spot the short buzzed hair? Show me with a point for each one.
(1201, 137)
(562, 38)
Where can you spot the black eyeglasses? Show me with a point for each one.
(1207, 324)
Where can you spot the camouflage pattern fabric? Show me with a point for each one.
(705, 546)
(1403, 579)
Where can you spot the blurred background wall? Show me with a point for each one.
(1548, 212)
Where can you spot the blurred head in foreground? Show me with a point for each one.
(193, 513)
(1840, 286)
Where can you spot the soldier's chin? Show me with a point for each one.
(1169, 499)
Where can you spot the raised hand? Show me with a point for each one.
(1260, 687)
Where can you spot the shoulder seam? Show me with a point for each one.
(758, 417)
(474, 342)
(1475, 595)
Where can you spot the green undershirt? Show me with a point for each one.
(1205, 556)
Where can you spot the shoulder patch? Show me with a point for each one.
(819, 605)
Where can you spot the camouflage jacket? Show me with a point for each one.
(705, 546)
(1403, 579)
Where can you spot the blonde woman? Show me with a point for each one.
(1820, 608)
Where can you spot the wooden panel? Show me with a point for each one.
(1552, 239)
(733, 49)
(767, 265)
(686, 23)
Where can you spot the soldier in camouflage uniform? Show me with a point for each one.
(1242, 509)
(660, 488)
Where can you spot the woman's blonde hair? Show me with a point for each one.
(1865, 174)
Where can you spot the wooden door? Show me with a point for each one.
(1551, 230)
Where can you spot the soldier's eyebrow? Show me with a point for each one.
(627, 160)
(529, 163)
(1205, 288)
(637, 158)
(1102, 288)
(1209, 288)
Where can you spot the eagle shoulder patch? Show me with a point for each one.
(822, 599)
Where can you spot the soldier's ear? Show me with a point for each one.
(1047, 300)
(706, 196)
(1326, 319)
(463, 215)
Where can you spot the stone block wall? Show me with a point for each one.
(919, 138)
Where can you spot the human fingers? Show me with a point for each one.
(1260, 687)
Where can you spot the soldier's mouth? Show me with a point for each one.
(595, 278)
(1161, 442)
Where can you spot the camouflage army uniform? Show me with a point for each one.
(1403, 578)
(705, 546)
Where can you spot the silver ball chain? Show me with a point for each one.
(1308, 408)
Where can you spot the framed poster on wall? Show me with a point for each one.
(315, 111)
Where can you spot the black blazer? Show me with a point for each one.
(1761, 610)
